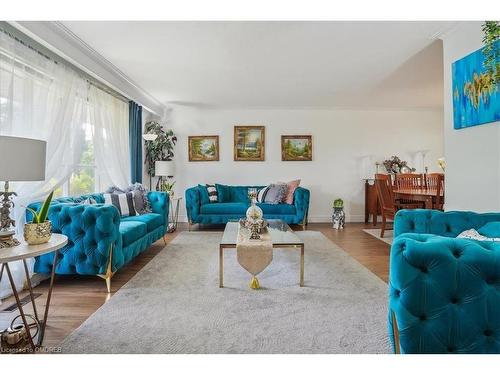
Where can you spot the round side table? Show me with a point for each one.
(22, 252)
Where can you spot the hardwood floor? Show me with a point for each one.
(75, 298)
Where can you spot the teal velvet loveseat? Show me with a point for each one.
(444, 292)
(100, 242)
(233, 203)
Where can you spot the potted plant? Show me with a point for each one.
(338, 216)
(159, 149)
(40, 229)
(168, 187)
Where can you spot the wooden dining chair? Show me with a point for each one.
(435, 182)
(388, 205)
(410, 181)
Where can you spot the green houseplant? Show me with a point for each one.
(338, 203)
(491, 52)
(40, 229)
(162, 148)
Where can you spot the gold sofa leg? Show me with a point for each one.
(109, 273)
(395, 332)
(304, 223)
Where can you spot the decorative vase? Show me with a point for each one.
(338, 218)
(36, 234)
(254, 213)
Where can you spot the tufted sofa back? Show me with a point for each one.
(446, 224)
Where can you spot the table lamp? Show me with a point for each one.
(21, 159)
(163, 168)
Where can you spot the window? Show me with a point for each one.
(84, 179)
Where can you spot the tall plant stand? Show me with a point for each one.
(173, 214)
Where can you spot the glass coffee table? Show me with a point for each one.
(282, 236)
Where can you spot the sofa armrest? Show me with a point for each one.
(193, 203)
(444, 294)
(159, 201)
(92, 231)
(301, 202)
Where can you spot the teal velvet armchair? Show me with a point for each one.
(444, 292)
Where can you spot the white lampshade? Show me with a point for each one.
(164, 168)
(22, 159)
(149, 136)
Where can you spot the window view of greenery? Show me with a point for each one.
(82, 181)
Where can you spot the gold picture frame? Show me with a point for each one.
(203, 147)
(296, 148)
(249, 143)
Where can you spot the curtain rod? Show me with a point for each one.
(97, 84)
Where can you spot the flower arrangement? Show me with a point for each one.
(396, 165)
(441, 163)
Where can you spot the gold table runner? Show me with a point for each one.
(254, 255)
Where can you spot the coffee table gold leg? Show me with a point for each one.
(302, 265)
(221, 267)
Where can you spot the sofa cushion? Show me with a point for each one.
(224, 208)
(151, 220)
(131, 231)
(204, 199)
(277, 209)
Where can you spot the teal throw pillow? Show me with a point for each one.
(223, 192)
(491, 229)
(203, 194)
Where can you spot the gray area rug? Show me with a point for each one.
(174, 305)
(388, 235)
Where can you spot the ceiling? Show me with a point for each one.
(276, 64)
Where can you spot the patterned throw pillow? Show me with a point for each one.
(261, 195)
(292, 186)
(89, 201)
(212, 193)
(123, 202)
(472, 234)
(272, 194)
(141, 201)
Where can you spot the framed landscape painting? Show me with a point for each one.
(296, 148)
(476, 98)
(203, 148)
(249, 143)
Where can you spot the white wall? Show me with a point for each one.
(341, 138)
(472, 154)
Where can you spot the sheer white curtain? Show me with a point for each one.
(109, 117)
(45, 100)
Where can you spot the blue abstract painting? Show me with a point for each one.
(476, 99)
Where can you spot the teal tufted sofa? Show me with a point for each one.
(444, 292)
(234, 202)
(100, 242)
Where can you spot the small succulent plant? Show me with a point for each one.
(40, 216)
(338, 203)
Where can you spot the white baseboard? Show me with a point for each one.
(312, 219)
